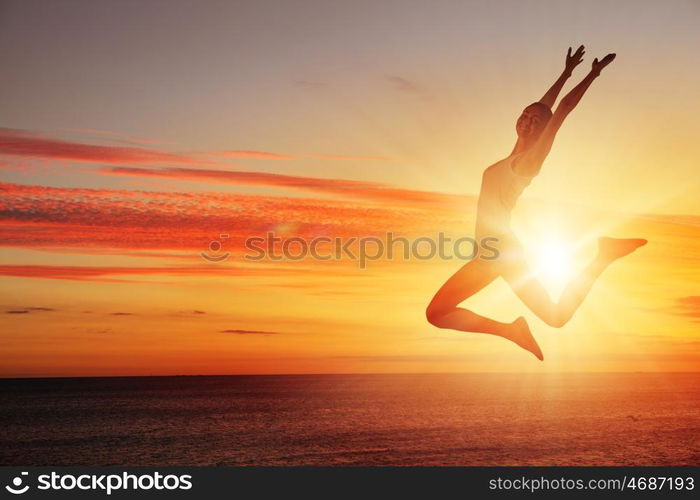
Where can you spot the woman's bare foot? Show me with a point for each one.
(610, 249)
(523, 337)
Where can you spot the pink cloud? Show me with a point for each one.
(345, 188)
(355, 158)
(14, 143)
(259, 155)
(124, 221)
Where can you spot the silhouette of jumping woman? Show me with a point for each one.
(502, 185)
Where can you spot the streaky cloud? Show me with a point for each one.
(250, 332)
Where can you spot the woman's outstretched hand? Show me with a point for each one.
(598, 66)
(573, 60)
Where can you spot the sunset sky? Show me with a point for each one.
(134, 133)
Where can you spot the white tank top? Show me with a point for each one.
(500, 189)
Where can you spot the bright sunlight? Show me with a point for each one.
(552, 262)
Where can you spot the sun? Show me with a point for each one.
(552, 262)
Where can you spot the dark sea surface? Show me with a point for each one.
(427, 419)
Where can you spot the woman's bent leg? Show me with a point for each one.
(471, 278)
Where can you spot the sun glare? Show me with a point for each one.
(553, 262)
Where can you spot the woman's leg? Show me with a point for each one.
(471, 278)
(521, 279)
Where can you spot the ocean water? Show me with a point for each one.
(427, 419)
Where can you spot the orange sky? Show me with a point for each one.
(120, 161)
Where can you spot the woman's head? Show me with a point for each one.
(532, 120)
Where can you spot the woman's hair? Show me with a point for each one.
(544, 108)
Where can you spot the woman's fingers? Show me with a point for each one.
(577, 56)
(598, 65)
(608, 59)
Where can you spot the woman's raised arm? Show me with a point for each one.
(530, 162)
(550, 97)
